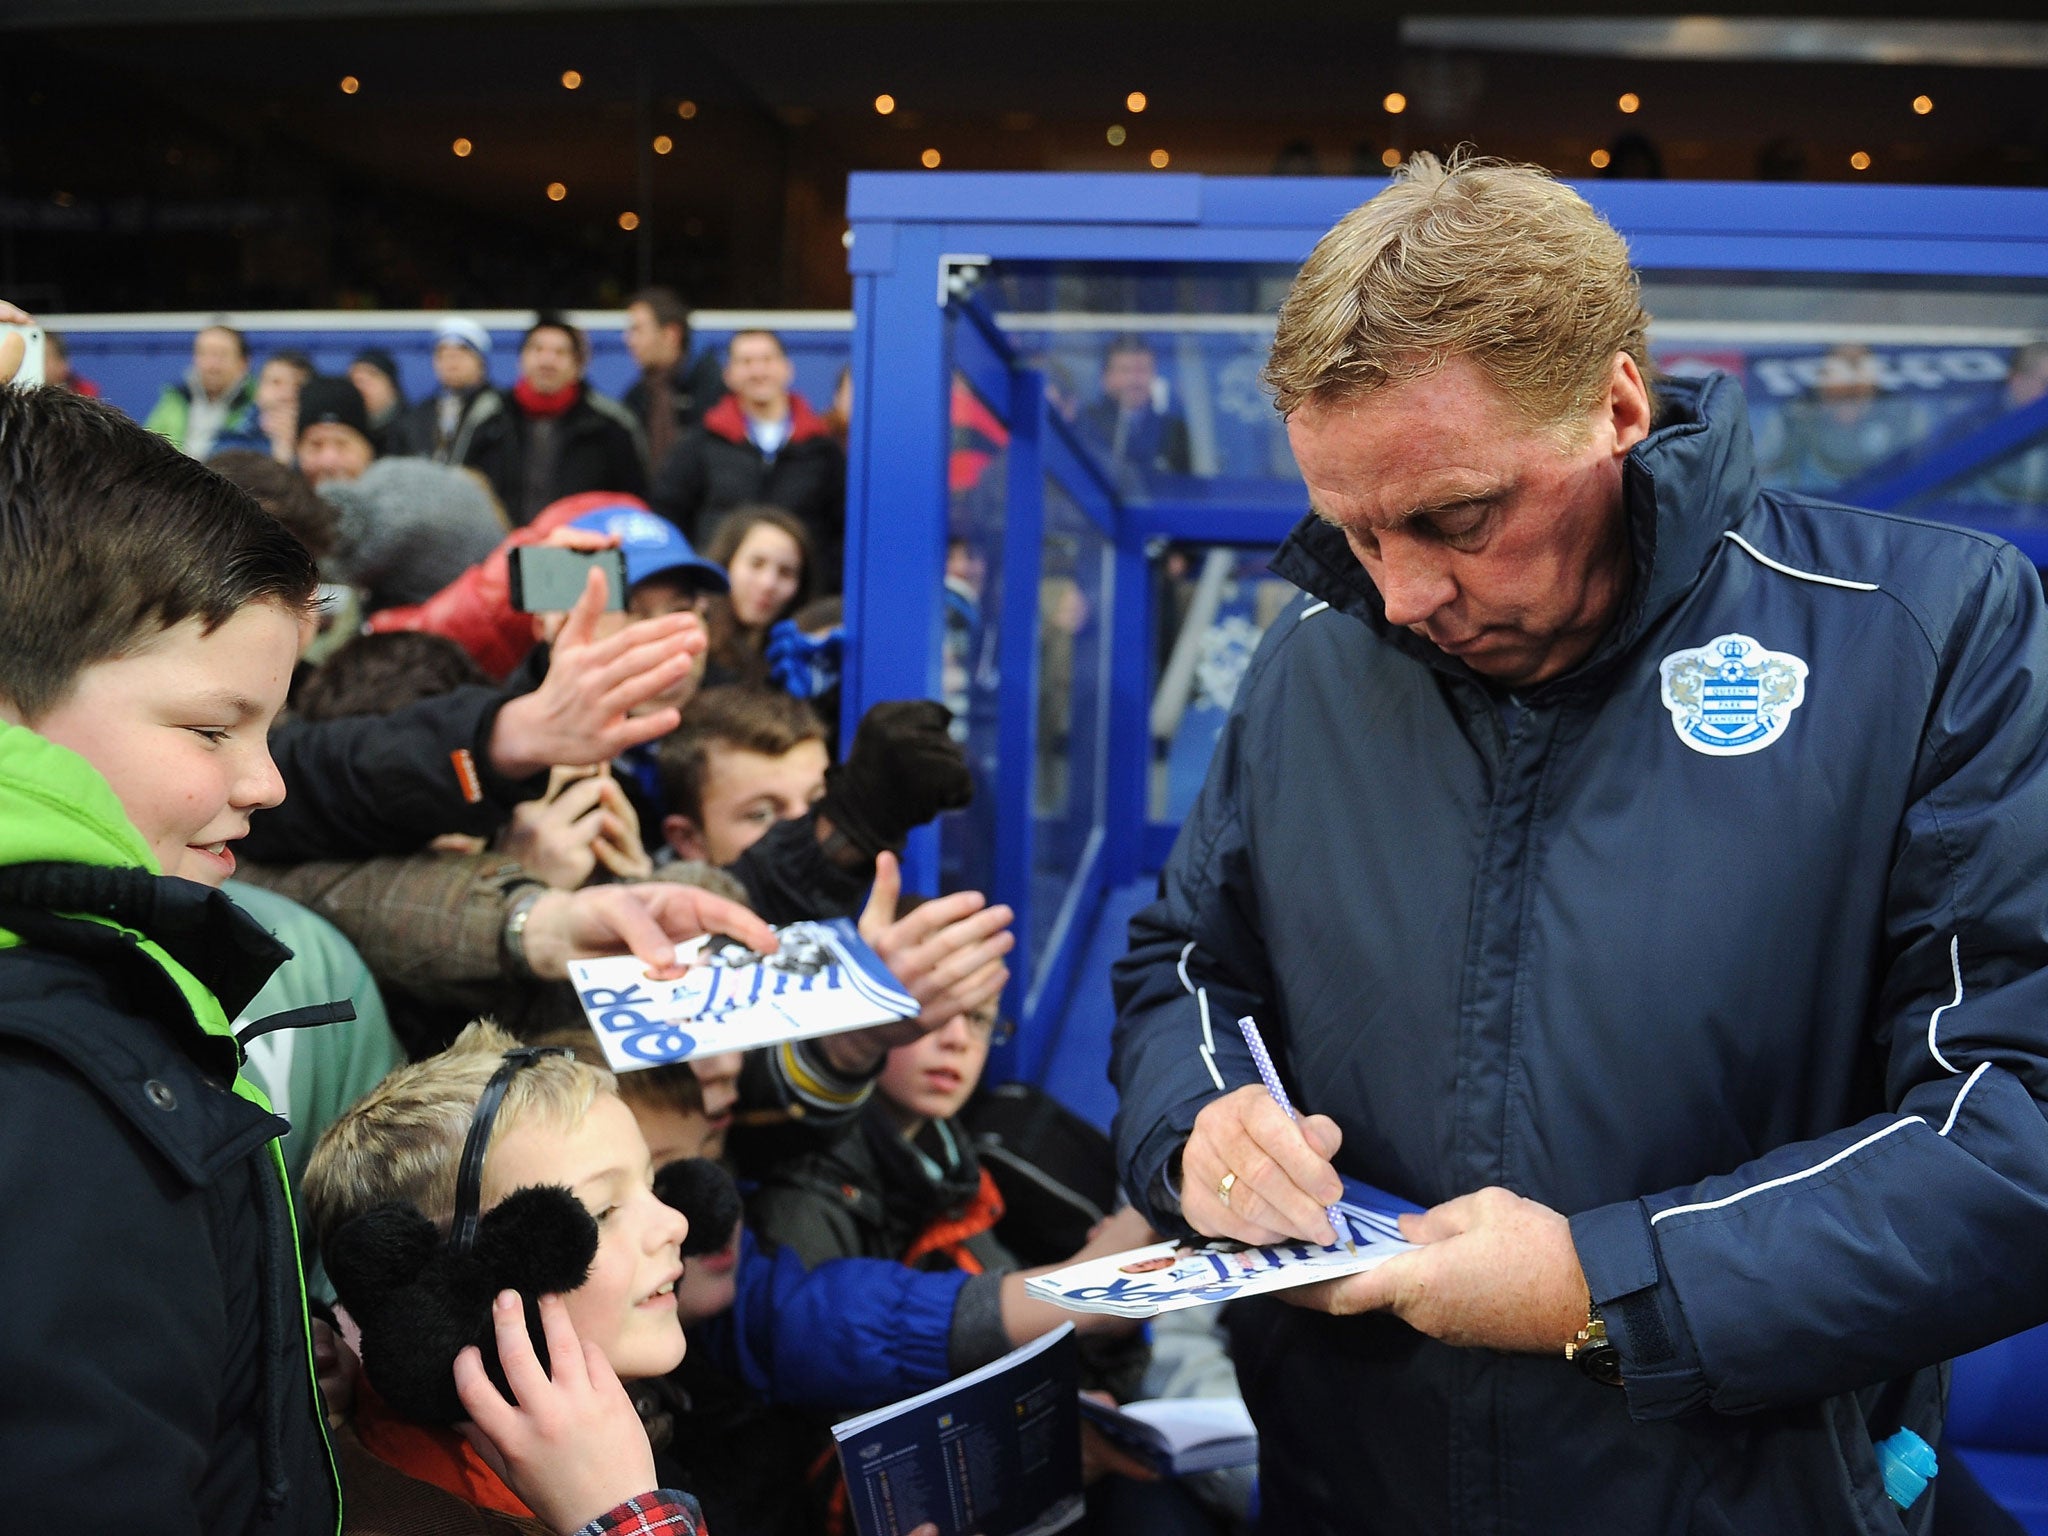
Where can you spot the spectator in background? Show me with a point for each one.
(214, 405)
(767, 557)
(2018, 481)
(333, 441)
(440, 426)
(1847, 425)
(673, 390)
(278, 383)
(374, 372)
(57, 368)
(554, 435)
(761, 444)
(1127, 422)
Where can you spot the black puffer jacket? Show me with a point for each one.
(154, 1371)
(598, 448)
(718, 467)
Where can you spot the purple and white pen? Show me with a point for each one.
(1263, 1058)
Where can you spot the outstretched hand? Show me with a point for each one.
(948, 955)
(647, 921)
(584, 710)
(570, 1445)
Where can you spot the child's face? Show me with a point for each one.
(931, 1078)
(627, 1307)
(746, 793)
(674, 1133)
(180, 728)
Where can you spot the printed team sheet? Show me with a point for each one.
(1168, 1277)
(822, 981)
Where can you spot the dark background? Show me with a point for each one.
(199, 155)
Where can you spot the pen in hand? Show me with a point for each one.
(1264, 1060)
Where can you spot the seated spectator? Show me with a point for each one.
(742, 760)
(1127, 422)
(439, 427)
(405, 528)
(553, 435)
(674, 390)
(768, 559)
(374, 372)
(333, 441)
(2019, 481)
(57, 371)
(278, 385)
(761, 444)
(214, 405)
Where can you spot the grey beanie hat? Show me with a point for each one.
(408, 527)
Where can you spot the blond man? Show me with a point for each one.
(1636, 867)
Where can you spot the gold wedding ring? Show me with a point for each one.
(1224, 1186)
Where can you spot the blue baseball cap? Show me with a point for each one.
(653, 546)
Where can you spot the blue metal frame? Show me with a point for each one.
(913, 327)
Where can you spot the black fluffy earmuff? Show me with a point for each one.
(420, 1299)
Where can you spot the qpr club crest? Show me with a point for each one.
(1731, 696)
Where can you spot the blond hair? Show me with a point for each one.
(403, 1140)
(1471, 258)
(672, 1085)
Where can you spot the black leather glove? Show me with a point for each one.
(903, 770)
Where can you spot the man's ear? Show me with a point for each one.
(1628, 403)
(682, 836)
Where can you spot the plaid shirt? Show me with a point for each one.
(663, 1512)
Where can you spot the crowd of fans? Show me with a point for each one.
(466, 797)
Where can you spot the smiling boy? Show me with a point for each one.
(155, 1369)
(561, 1123)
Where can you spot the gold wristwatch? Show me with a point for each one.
(1591, 1352)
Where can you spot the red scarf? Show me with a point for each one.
(535, 403)
(431, 1454)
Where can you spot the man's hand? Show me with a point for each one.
(645, 920)
(1284, 1180)
(1495, 1271)
(948, 954)
(582, 712)
(571, 1445)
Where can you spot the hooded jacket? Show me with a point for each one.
(155, 1370)
(719, 467)
(1728, 943)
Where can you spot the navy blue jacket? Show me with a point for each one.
(1727, 943)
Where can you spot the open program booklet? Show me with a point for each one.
(822, 981)
(1169, 1276)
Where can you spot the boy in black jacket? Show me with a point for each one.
(155, 1371)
